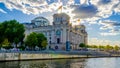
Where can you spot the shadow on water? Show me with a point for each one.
(61, 63)
(65, 63)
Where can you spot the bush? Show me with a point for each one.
(21, 47)
(0, 45)
(7, 47)
(82, 45)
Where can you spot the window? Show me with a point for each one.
(50, 42)
(58, 32)
(49, 33)
(58, 40)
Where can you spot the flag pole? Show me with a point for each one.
(61, 9)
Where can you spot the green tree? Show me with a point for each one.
(31, 40)
(42, 40)
(101, 47)
(36, 39)
(1, 34)
(6, 44)
(44, 44)
(82, 45)
(12, 30)
(116, 48)
(108, 47)
(94, 46)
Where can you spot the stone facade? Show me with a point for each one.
(60, 33)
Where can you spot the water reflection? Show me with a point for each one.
(65, 63)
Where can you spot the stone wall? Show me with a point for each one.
(29, 56)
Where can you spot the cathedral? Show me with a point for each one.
(61, 35)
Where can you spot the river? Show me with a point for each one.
(65, 63)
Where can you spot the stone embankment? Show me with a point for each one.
(34, 55)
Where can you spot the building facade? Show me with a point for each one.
(61, 35)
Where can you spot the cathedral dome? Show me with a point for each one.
(40, 21)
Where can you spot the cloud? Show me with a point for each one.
(30, 6)
(96, 41)
(109, 33)
(113, 28)
(92, 11)
(89, 11)
(108, 24)
(84, 11)
(1, 10)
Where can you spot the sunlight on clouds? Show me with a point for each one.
(105, 7)
(89, 10)
(82, 1)
(70, 2)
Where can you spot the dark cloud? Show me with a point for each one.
(104, 1)
(84, 11)
(116, 24)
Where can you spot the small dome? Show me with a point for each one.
(40, 21)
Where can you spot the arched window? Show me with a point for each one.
(58, 32)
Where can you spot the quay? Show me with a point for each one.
(45, 55)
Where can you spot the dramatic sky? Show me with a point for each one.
(101, 17)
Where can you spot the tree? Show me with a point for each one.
(108, 47)
(44, 44)
(12, 30)
(116, 48)
(101, 47)
(82, 45)
(36, 39)
(6, 44)
(1, 34)
(31, 40)
(42, 40)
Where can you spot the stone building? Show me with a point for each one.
(61, 35)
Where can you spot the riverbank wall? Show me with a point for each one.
(13, 56)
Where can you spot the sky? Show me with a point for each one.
(101, 17)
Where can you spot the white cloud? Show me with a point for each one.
(94, 10)
(109, 33)
(90, 10)
(96, 41)
(30, 6)
(1, 10)
(113, 28)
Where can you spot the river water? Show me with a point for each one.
(65, 63)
